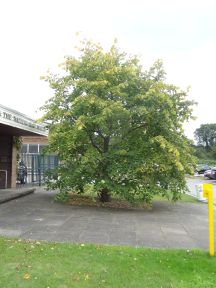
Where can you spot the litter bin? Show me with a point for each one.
(199, 190)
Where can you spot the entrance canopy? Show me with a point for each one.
(15, 123)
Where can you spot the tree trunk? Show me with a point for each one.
(104, 195)
(207, 146)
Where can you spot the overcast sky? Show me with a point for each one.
(36, 34)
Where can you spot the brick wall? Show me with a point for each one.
(35, 140)
(6, 144)
(13, 167)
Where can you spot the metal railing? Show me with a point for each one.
(37, 165)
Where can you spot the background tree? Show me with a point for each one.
(206, 135)
(117, 127)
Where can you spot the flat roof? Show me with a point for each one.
(15, 123)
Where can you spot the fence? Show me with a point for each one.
(37, 165)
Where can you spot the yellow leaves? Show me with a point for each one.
(81, 277)
(26, 276)
(92, 101)
(171, 153)
(179, 166)
(80, 127)
(111, 71)
(162, 145)
(86, 277)
(166, 145)
(79, 124)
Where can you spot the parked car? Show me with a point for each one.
(201, 168)
(211, 173)
(22, 172)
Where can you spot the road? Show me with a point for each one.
(192, 182)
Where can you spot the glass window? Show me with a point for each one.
(33, 148)
(24, 148)
(41, 147)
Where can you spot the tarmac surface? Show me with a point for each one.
(38, 217)
(197, 180)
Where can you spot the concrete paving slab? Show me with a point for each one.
(39, 217)
(170, 230)
(123, 238)
(10, 232)
(67, 237)
(90, 236)
(157, 238)
(11, 194)
(39, 235)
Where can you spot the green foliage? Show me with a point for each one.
(17, 141)
(206, 135)
(62, 197)
(213, 151)
(200, 152)
(117, 127)
(207, 157)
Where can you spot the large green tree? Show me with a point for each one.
(117, 127)
(206, 135)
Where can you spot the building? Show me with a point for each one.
(14, 123)
(33, 145)
(37, 163)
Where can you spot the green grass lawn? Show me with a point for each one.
(43, 265)
(185, 198)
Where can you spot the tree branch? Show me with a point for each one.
(130, 131)
(106, 144)
(100, 133)
(94, 145)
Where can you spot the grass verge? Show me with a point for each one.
(184, 198)
(61, 265)
(89, 200)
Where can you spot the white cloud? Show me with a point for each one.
(35, 35)
(196, 68)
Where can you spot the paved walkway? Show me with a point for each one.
(11, 194)
(38, 217)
